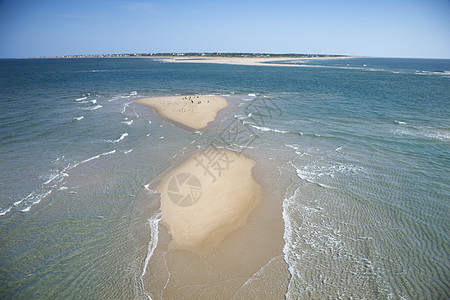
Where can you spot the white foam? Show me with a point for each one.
(81, 99)
(425, 132)
(79, 118)
(93, 101)
(252, 95)
(443, 73)
(240, 117)
(36, 199)
(23, 199)
(127, 151)
(89, 159)
(133, 93)
(127, 122)
(153, 242)
(303, 175)
(5, 211)
(147, 187)
(296, 149)
(52, 177)
(96, 107)
(289, 237)
(400, 122)
(311, 175)
(124, 135)
(242, 146)
(93, 157)
(124, 108)
(58, 158)
(93, 107)
(268, 129)
(107, 153)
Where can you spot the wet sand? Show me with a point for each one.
(204, 201)
(222, 243)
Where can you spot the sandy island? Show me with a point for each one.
(252, 61)
(201, 205)
(194, 111)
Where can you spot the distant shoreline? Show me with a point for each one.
(197, 55)
(273, 60)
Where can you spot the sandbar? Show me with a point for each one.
(253, 61)
(207, 197)
(194, 111)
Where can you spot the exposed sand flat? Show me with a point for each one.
(201, 205)
(194, 111)
(248, 61)
(202, 253)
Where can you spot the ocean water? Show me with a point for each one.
(359, 148)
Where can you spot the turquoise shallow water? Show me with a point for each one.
(364, 144)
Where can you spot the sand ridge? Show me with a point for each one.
(204, 201)
(194, 111)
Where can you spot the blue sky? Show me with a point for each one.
(385, 28)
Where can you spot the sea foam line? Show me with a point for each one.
(36, 196)
(70, 167)
(307, 176)
(38, 199)
(296, 149)
(5, 211)
(128, 122)
(265, 129)
(289, 241)
(153, 242)
(33, 196)
(94, 107)
(425, 132)
(124, 108)
(53, 177)
(124, 135)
